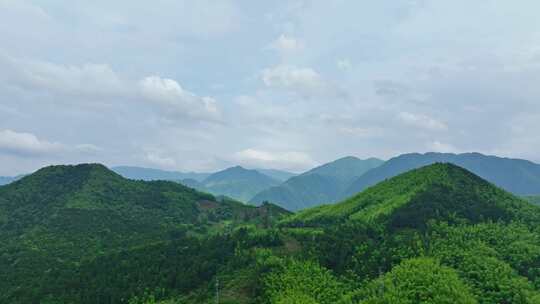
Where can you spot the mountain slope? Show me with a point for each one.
(533, 199)
(520, 177)
(319, 185)
(238, 183)
(279, 175)
(4, 180)
(57, 217)
(149, 174)
(435, 192)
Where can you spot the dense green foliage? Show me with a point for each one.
(518, 176)
(533, 199)
(61, 216)
(438, 234)
(323, 184)
(439, 191)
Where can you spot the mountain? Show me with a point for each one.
(4, 180)
(54, 219)
(149, 174)
(320, 185)
(441, 191)
(436, 234)
(520, 177)
(238, 183)
(279, 175)
(533, 199)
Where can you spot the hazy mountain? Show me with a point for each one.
(434, 192)
(4, 180)
(149, 174)
(279, 175)
(533, 199)
(322, 184)
(238, 183)
(60, 215)
(518, 176)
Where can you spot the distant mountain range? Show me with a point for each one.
(323, 184)
(518, 176)
(235, 182)
(4, 180)
(148, 174)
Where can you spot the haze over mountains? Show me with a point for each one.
(319, 185)
(336, 180)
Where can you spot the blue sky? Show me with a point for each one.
(202, 85)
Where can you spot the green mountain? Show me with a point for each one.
(320, 185)
(437, 234)
(435, 192)
(533, 199)
(238, 183)
(279, 175)
(55, 219)
(520, 177)
(4, 180)
(149, 174)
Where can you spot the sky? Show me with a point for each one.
(203, 85)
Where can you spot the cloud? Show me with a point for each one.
(176, 101)
(422, 121)
(344, 64)
(87, 80)
(438, 146)
(160, 161)
(302, 80)
(289, 160)
(26, 144)
(287, 45)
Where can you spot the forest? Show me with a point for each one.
(437, 234)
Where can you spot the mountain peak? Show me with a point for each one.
(440, 191)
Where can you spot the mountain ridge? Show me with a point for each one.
(319, 185)
(518, 176)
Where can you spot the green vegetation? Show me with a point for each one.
(238, 183)
(533, 199)
(320, 185)
(438, 234)
(61, 216)
(518, 176)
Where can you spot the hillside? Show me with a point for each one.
(438, 233)
(520, 177)
(533, 199)
(434, 192)
(319, 185)
(279, 175)
(149, 174)
(238, 183)
(61, 215)
(4, 180)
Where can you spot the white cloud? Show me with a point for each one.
(160, 161)
(438, 146)
(177, 101)
(289, 160)
(302, 80)
(344, 64)
(26, 144)
(422, 121)
(23, 144)
(85, 80)
(287, 45)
